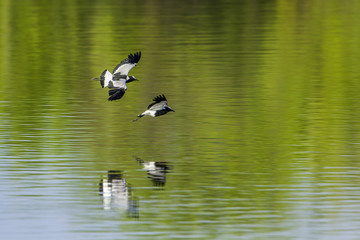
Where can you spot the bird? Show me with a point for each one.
(157, 108)
(116, 81)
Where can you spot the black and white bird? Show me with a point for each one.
(116, 81)
(157, 108)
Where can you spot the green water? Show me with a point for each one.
(264, 143)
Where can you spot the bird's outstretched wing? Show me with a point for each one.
(127, 64)
(105, 78)
(116, 93)
(159, 103)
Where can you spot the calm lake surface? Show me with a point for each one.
(264, 143)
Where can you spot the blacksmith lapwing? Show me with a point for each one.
(157, 108)
(117, 80)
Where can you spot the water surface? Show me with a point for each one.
(264, 143)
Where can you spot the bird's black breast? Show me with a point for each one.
(161, 112)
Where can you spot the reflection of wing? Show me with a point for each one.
(159, 103)
(126, 65)
(105, 78)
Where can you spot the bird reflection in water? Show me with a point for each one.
(156, 171)
(117, 193)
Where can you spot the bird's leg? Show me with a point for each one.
(138, 117)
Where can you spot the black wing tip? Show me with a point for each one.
(116, 94)
(112, 91)
(134, 58)
(131, 59)
(159, 98)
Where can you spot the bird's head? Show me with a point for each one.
(170, 109)
(131, 78)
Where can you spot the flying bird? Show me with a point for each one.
(157, 108)
(116, 81)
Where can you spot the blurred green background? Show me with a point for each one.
(264, 143)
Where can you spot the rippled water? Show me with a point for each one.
(264, 143)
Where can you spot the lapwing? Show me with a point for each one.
(157, 108)
(116, 81)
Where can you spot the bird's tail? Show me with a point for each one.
(138, 117)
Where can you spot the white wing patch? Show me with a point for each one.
(124, 69)
(118, 84)
(127, 64)
(107, 77)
